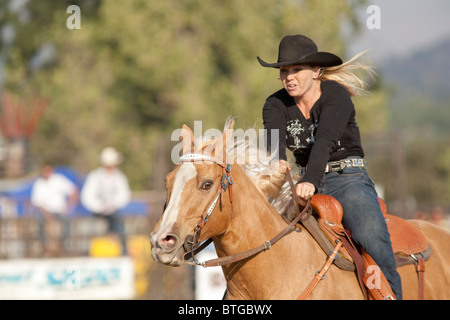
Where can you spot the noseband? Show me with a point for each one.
(192, 242)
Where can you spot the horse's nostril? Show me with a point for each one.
(168, 242)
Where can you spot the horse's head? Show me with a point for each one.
(198, 204)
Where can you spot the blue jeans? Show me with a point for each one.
(355, 191)
(63, 220)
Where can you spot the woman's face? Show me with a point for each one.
(298, 79)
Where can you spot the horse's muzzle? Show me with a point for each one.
(166, 249)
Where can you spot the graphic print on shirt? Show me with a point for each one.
(302, 136)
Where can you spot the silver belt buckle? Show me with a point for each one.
(357, 162)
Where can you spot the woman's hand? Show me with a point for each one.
(284, 165)
(305, 190)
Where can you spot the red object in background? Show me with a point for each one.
(20, 118)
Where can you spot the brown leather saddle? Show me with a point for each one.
(409, 244)
(406, 239)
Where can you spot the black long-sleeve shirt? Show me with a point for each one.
(330, 134)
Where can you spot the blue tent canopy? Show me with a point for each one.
(20, 196)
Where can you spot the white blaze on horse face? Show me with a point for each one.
(186, 172)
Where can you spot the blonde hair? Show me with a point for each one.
(345, 75)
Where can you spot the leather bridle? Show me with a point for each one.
(192, 244)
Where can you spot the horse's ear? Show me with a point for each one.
(231, 125)
(227, 135)
(187, 139)
(220, 146)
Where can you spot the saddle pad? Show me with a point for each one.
(406, 239)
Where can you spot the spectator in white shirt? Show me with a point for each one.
(106, 191)
(55, 196)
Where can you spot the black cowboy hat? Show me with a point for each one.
(299, 49)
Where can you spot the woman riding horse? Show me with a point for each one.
(315, 119)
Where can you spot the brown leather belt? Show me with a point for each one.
(333, 166)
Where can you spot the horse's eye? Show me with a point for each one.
(207, 185)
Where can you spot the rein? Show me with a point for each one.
(227, 181)
(249, 253)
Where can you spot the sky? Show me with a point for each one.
(405, 26)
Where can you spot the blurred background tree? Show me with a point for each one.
(137, 70)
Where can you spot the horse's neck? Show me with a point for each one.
(253, 223)
(254, 220)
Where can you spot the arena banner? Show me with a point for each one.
(67, 278)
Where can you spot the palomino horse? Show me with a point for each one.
(204, 202)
